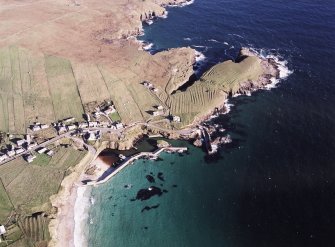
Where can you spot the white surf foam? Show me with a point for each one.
(187, 39)
(199, 46)
(165, 15)
(182, 4)
(148, 46)
(200, 59)
(81, 208)
(149, 22)
(237, 35)
(225, 43)
(214, 40)
(281, 63)
(228, 106)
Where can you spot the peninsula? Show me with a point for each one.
(74, 80)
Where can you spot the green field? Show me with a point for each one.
(115, 117)
(26, 189)
(6, 206)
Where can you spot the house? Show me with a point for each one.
(83, 125)
(155, 90)
(42, 150)
(71, 127)
(11, 153)
(44, 126)
(96, 114)
(148, 84)
(87, 117)
(3, 157)
(109, 110)
(176, 119)
(28, 138)
(92, 124)
(2, 230)
(19, 151)
(61, 129)
(159, 107)
(93, 135)
(30, 158)
(157, 113)
(113, 127)
(50, 153)
(20, 142)
(119, 126)
(32, 146)
(35, 128)
(68, 120)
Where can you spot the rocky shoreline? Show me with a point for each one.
(69, 190)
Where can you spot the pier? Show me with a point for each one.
(130, 160)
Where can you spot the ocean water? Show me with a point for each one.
(274, 186)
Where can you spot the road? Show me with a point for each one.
(90, 148)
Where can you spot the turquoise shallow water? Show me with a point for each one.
(275, 186)
(183, 212)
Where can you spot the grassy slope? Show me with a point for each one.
(30, 185)
(6, 206)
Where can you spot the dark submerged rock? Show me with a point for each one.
(150, 178)
(145, 194)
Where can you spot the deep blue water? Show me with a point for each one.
(275, 185)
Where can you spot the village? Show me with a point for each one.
(41, 135)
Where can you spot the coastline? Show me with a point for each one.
(62, 226)
(67, 227)
(73, 201)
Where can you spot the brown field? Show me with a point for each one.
(56, 57)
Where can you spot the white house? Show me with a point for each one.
(83, 125)
(160, 107)
(71, 127)
(20, 142)
(119, 126)
(32, 145)
(176, 119)
(92, 124)
(157, 113)
(11, 153)
(61, 129)
(2, 230)
(19, 151)
(30, 158)
(110, 110)
(44, 126)
(50, 153)
(3, 157)
(88, 117)
(41, 150)
(35, 128)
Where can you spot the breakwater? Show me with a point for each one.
(131, 159)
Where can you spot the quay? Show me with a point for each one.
(131, 159)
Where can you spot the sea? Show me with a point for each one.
(274, 185)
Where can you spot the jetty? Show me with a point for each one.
(130, 160)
